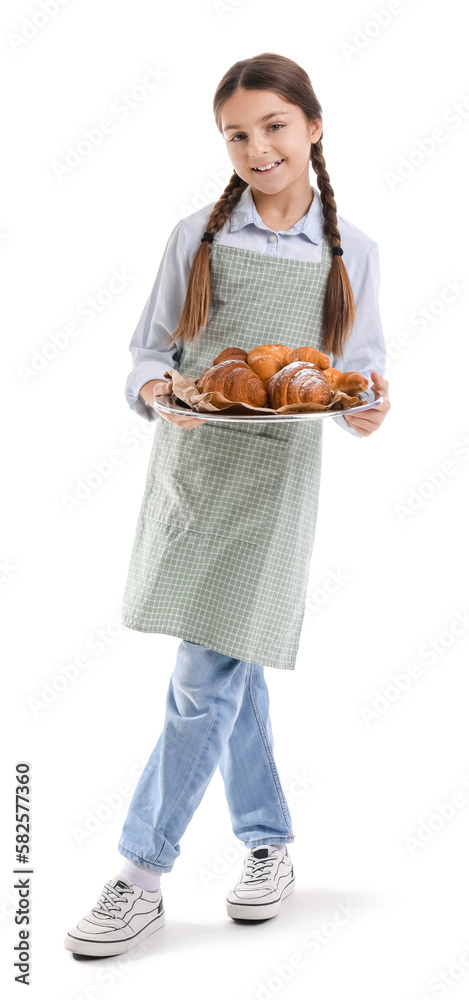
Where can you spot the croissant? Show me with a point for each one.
(308, 354)
(298, 382)
(236, 381)
(349, 382)
(231, 354)
(267, 359)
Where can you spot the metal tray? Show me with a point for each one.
(174, 405)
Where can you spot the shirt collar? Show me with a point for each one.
(311, 225)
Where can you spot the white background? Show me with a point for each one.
(366, 786)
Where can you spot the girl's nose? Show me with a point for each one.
(255, 152)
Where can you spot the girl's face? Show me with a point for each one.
(261, 128)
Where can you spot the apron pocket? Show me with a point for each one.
(216, 481)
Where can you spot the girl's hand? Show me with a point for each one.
(369, 420)
(161, 388)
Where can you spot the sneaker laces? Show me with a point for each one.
(110, 896)
(254, 870)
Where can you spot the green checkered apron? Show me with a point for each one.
(226, 527)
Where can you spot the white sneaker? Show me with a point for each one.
(266, 879)
(122, 917)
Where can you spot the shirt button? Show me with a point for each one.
(272, 238)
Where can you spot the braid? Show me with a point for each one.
(197, 301)
(329, 206)
(226, 203)
(339, 305)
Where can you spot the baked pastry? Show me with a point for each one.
(308, 354)
(267, 359)
(349, 382)
(275, 375)
(231, 354)
(298, 382)
(236, 381)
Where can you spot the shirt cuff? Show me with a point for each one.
(145, 372)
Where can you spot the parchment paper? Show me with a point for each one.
(184, 388)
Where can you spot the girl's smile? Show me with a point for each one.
(268, 169)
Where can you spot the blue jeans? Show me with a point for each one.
(217, 715)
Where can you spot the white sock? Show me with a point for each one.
(279, 847)
(140, 876)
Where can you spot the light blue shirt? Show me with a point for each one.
(365, 348)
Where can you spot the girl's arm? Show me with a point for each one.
(365, 348)
(159, 319)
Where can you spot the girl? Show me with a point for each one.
(225, 532)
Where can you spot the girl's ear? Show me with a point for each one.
(316, 131)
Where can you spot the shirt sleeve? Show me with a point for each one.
(365, 347)
(160, 318)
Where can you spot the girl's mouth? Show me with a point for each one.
(270, 170)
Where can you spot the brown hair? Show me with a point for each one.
(285, 77)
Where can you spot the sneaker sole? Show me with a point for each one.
(258, 911)
(105, 949)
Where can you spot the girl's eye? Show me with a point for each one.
(275, 125)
